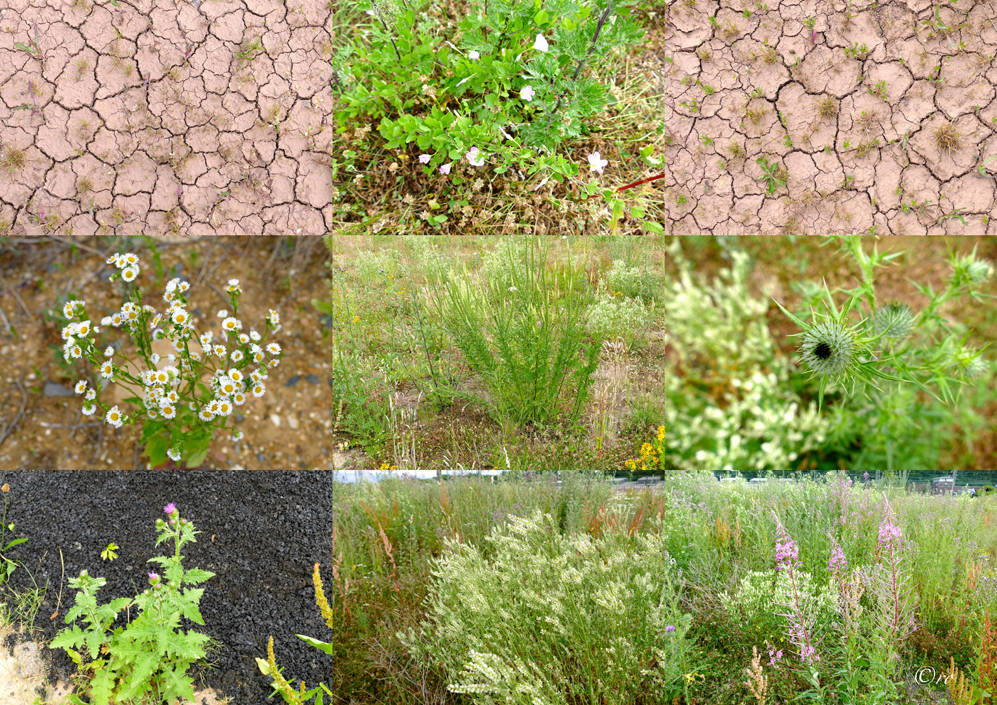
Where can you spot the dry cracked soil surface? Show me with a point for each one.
(183, 117)
(851, 117)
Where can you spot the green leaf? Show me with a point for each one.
(637, 211)
(541, 18)
(198, 457)
(647, 151)
(155, 448)
(316, 643)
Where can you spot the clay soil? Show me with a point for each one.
(288, 428)
(189, 117)
(868, 118)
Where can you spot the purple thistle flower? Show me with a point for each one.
(153, 576)
(670, 628)
(169, 508)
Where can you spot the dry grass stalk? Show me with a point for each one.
(757, 681)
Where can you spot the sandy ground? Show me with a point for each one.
(191, 117)
(877, 119)
(287, 428)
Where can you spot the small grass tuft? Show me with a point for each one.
(12, 160)
(84, 186)
(947, 139)
(248, 51)
(827, 109)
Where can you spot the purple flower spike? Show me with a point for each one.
(169, 508)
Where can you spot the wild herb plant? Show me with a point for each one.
(147, 660)
(889, 343)
(269, 667)
(7, 567)
(523, 334)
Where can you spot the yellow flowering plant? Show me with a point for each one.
(652, 457)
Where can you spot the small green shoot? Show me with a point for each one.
(775, 176)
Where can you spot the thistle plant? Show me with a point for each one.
(148, 660)
(176, 422)
(890, 342)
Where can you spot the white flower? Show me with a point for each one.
(129, 274)
(83, 328)
(206, 339)
(235, 375)
(116, 320)
(88, 409)
(253, 335)
(154, 358)
(597, 163)
(233, 286)
(231, 324)
(168, 409)
(67, 310)
(172, 396)
(237, 435)
(475, 157)
(226, 387)
(184, 286)
(258, 355)
(473, 55)
(273, 317)
(273, 363)
(239, 399)
(81, 386)
(180, 316)
(219, 350)
(160, 377)
(114, 417)
(174, 455)
(222, 313)
(127, 260)
(107, 370)
(155, 321)
(527, 93)
(171, 285)
(109, 351)
(224, 407)
(213, 406)
(237, 356)
(113, 259)
(105, 321)
(273, 348)
(540, 44)
(206, 415)
(512, 288)
(259, 389)
(91, 395)
(76, 352)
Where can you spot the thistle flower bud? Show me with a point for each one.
(828, 348)
(895, 318)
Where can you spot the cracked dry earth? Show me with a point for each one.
(881, 118)
(151, 117)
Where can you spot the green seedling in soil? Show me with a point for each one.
(866, 147)
(713, 22)
(775, 176)
(81, 66)
(693, 106)
(746, 13)
(980, 169)
(947, 139)
(757, 93)
(846, 144)
(32, 48)
(687, 81)
(953, 214)
(709, 90)
(880, 90)
(736, 151)
(11, 160)
(708, 141)
(84, 186)
(770, 55)
(731, 29)
(248, 51)
(705, 55)
(855, 50)
(681, 199)
(847, 181)
(827, 109)
(942, 28)
(787, 140)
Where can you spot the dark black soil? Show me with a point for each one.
(261, 534)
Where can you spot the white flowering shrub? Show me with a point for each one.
(727, 402)
(759, 598)
(548, 611)
(612, 316)
(627, 280)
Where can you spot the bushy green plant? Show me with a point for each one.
(618, 316)
(549, 611)
(524, 339)
(727, 404)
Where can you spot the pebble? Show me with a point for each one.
(292, 421)
(56, 390)
(239, 418)
(326, 321)
(4, 350)
(31, 377)
(293, 381)
(275, 419)
(312, 379)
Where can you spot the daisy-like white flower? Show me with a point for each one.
(527, 93)
(129, 273)
(597, 163)
(219, 350)
(445, 168)
(243, 338)
(91, 395)
(273, 348)
(236, 436)
(116, 320)
(231, 324)
(68, 332)
(180, 316)
(131, 315)
(174, 455)
(172, 396)
(83, 328)
(105, 321)
(183, 286)
(81, 386)
(169, 410)
(154, 358)
(155, 320)
(540, 44)
(108, 351)
(213, 406)
(114, 416)
(224, 407)
(171, 285)
(128, 306)
(239, 399)
(113, 259)
(107, 370)
(233, 287)
(206, 415)
(273, 317)
(223, 313)
(235, 375)
(475, 157)
(76, 352)
(226, 387)
(206, 339)
(273, 363)
(67, 310)
(158, 334)
(127, 259)
(259, 389)
(161, 377)
(196, 356)
(254, 336)
(237, 356)
(89, 409)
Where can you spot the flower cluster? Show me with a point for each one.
(167, 391)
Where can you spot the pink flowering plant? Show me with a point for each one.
(176, 420)
(517, 81)
(148, 660)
